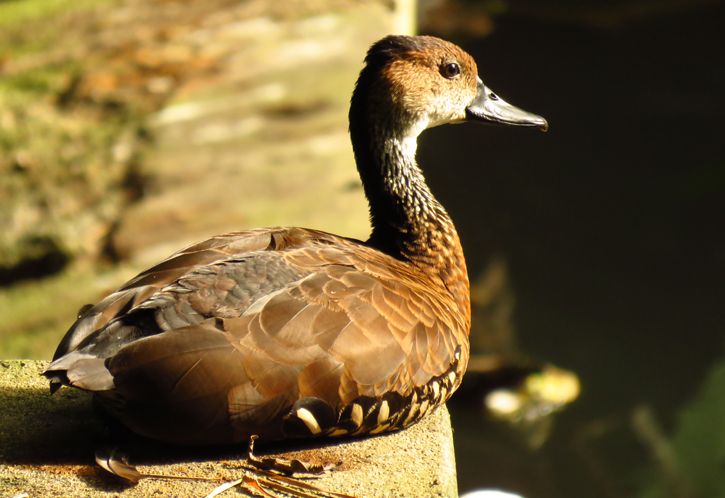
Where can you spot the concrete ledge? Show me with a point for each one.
(47, 447)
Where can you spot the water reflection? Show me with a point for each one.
(611, 225)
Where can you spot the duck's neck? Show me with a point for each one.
(408, 223)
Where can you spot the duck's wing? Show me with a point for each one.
(215, 343)
(139, 289)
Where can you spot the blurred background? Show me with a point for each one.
(130, 128)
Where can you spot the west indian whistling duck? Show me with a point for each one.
(290, 332)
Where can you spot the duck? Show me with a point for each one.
(289, 332)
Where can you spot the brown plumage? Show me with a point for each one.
(287, 332)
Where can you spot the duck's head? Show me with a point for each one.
(411, 83)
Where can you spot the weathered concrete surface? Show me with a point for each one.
(47, 447)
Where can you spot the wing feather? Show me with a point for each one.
(226, 335)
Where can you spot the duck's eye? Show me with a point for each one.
(450, 70)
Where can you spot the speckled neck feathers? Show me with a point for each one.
(407, 221)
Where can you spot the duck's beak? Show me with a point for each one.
(488, 107)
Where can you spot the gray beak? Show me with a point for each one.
(488, 107)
